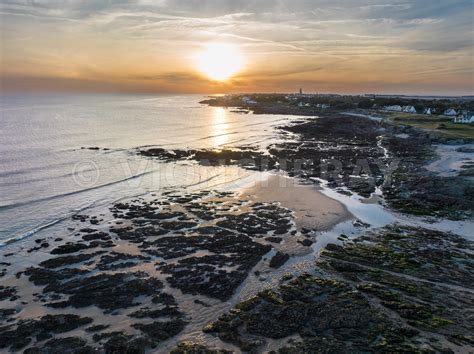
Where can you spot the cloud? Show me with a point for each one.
(281, 38)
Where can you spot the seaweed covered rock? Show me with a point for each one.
(106, 291)
(398, 289)
(311, 307)
(414, 190)
(62, 345)
(194, 348)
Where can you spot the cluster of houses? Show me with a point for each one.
(464, 118)
(249, 101)
(319, 105)
(461, 117)
(398, 108)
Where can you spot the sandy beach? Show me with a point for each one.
(312, 209)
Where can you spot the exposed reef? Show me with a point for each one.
(204, 243)
(354, 155)
(399, 289)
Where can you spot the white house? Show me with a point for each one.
(323, 105)
(451, 112)
(302, 104)
(409, 109)
(248, 100)
(465, 118)
(396, 108)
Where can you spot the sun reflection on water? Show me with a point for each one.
(219, 127)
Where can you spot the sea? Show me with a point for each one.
(62, 154)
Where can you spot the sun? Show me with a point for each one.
(219, 61)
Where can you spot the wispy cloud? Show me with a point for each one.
(308, 40)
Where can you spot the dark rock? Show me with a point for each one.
(8, 293)
(19, 336)
(279, 259)
(274, 239)
(160, 331)
(70, 248)
(68, 345)
(97, 328)
(6, 315)
(106, 291)
(122, 343)
(378, 308)
(115, 260)
(68, 260)
(306, 242)
(193, 348)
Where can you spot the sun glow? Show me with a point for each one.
(219, 127)
(220, 61)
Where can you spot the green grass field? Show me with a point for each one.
(437, 124)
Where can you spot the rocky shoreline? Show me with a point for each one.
(390, 290)
(137, 276)
(356, 155)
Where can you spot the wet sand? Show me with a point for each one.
(312, 209)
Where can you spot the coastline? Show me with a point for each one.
(194, 265)
(64, 252)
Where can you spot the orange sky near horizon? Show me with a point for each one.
(413, 47)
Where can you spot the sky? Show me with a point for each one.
(423, 47)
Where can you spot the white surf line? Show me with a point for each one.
(26, 234)
(52, 197)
